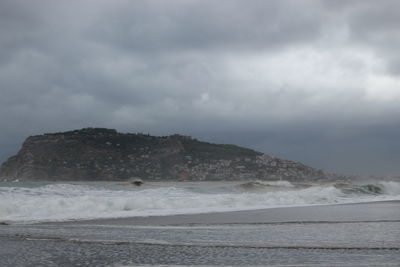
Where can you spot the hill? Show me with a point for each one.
(104, 154)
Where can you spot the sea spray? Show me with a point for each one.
(58, 202)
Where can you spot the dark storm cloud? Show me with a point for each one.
(313, 81)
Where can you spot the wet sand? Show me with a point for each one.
(366, 234)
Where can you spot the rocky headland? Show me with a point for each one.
(98, 154)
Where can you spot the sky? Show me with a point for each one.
(310, 81)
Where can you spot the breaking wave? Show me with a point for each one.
(58, 202)
(263, 185)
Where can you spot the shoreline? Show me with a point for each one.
(376, 211)
(359, 234)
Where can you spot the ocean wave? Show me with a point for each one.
(262, 185)
(57, 202)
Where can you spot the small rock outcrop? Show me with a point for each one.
(104, 154)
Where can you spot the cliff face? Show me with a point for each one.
(104, 154)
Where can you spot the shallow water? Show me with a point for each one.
(45, 253)
(281, 244)
(347, 235)
(309, 231)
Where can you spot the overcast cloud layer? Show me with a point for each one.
(311, 81)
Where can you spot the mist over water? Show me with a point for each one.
(20, 202)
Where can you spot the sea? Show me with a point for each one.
(248, 223)
(25, 202)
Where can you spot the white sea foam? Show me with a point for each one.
(390, 188)
(57, 202)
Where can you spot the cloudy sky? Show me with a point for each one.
(311, 81)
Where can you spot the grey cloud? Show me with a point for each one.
(376, 24)
(278, 76)
(199, 25)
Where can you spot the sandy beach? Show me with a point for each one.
(365, 234)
